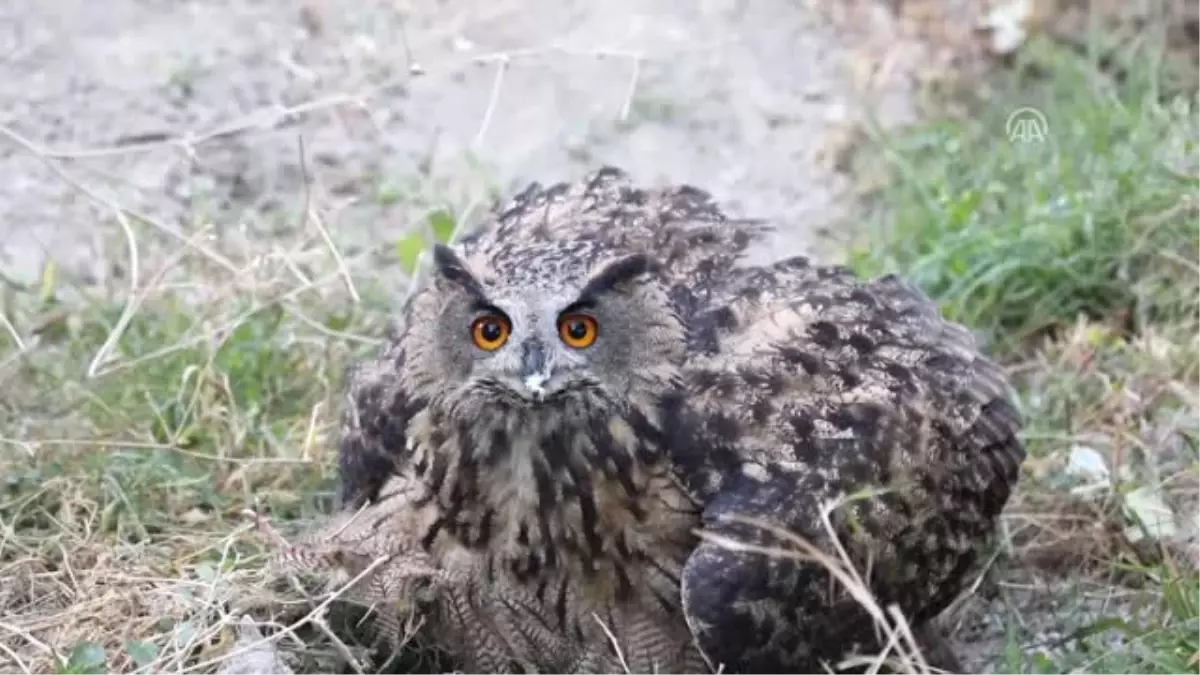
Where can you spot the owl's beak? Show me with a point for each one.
(535, 371)
(536, 385)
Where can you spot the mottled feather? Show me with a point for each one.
(561, 523)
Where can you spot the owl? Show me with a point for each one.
(599, 440)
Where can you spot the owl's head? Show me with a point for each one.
(542, 327)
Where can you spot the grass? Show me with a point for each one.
(1075, 260)
(125, 480)
(1015, 238)
(122, 537)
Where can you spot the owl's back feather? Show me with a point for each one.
(606, 216)
(814, 387)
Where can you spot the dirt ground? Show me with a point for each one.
(192, 114)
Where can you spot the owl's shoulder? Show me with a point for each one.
(805, 365)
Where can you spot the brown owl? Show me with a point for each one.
(588, 398)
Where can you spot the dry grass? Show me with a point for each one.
(138, 425)
(1075, 260)
(141, 425)
(140, 422)
(143, 421)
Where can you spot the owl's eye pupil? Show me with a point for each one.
(578, 330)
(491, 331)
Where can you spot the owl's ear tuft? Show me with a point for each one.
(449, 268)
(618, 274)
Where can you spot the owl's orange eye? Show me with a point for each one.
(577, 330)
(490, 332)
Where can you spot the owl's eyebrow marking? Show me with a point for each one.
(578, 306)
(613, 275)
(482, 306)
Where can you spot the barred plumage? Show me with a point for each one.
(556, 482)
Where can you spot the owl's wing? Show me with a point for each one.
(823, 388)
(372, 442)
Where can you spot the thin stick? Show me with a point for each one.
(135, 299)
(493, 100)
(317, 611)
(292, 310)
(220, 330)
(632, 89)
(12, 331)
(841, 568)
(310, 214)
(339, 646)
(615, 644)
(131, 302)
(342, 268)
(24, 635)
(16, 659)
(187, 142)
(109, 204)
(414, 68)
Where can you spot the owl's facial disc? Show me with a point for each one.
(582, 340)
(525, 355)
(548, 356)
